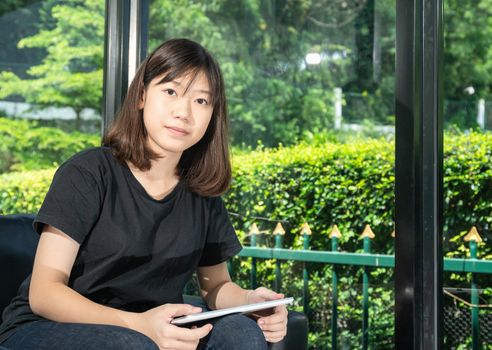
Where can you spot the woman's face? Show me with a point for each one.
(177, 113)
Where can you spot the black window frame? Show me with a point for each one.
(125, 46)
(418, 175)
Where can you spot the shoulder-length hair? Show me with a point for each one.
(205, 167)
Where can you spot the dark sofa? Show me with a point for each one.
(18, 242)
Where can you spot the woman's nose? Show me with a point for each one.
(182, 109)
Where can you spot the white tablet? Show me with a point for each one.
(231, 310)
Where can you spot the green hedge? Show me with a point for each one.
(345, 184)
(24, 145)
(468, 191)
(352, 185)
(23, 192)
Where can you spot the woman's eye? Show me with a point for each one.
(202, 101)
(170, 92)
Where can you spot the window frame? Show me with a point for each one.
(418, 150)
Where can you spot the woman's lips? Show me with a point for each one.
(177, 131)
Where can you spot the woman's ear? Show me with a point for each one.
(141, 101)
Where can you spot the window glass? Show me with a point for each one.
(310, 87)
(50, 82)
(467, 169)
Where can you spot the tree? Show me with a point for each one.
(18, 19)
(274, 95)
(467, 57)
(70, 74)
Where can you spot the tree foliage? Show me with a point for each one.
(274, 95)
(27, 146)
(467, 58)
(70, 75)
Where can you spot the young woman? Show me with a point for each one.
(124, 226)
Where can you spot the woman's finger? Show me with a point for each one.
(274, 335)
(274, 327)
(279, 316)
(268, 294)
(272, 319)
(191, 334)
(274, 340)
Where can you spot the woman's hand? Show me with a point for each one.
(156, 324)
(272, 322)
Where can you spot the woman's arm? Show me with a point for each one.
(217, 288)
(51, 298)
(49, 295)
(220, 292)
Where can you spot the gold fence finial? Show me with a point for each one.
(367, 232)
(279, 230)
(335, 232)
(306, 230)
(253, 229)
(473, 235)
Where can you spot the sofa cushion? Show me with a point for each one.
(18, 242)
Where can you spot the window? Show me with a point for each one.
(310, 87)
(50, 81)
(467, 170)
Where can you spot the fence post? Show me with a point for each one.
(306, 233)
(253, 231)
(278, 232)
(366, 235)
(473, 238)
(335, 236)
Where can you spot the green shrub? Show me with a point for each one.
(26, 146)
(349, 185)
(23, 192)
(468, 190)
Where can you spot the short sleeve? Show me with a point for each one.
(222, 242)
(72, 204)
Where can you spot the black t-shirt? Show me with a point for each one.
(135, 252)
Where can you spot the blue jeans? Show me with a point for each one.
(234, 332)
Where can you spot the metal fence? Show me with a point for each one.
(455, 318)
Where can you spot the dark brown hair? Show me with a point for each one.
(205, 167)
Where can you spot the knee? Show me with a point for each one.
(240, 332)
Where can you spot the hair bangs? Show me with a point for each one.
(188, 62)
